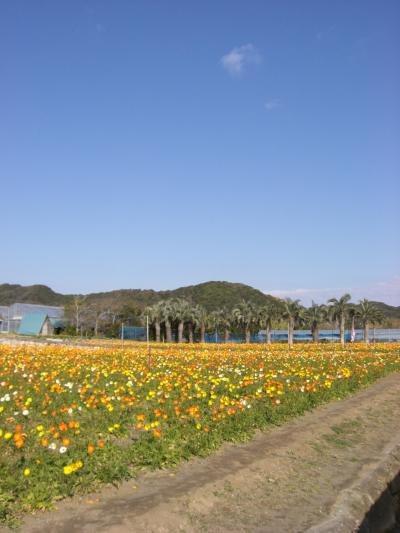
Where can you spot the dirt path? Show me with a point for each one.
(285, 480)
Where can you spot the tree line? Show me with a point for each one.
(177, 319)
(187, 319)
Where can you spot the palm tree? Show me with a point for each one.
(201, 319)
(315, 315)
(368, 314)
(294, 314)
(196, 319)
(222, 318)
(245, 315)
(340, 309)
(227, 321)
(167, 314)
(181, 314)
(156, 314)
(214, 322)
(265, 315)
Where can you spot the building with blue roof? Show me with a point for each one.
(36, 324)
(24, 317)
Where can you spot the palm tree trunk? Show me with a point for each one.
(77, 324)
(290, 332)
(168, 331)
(315, 334)
(226, 335)
(342, 330)
(366, 333)
(158, 330)
(203, 333)
(180, 331)
(247, 335)
(268, 334)
(191, 337)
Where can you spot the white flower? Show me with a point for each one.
(25, 412)
(63, 449)
(52, 446)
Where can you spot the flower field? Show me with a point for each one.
(74, 418)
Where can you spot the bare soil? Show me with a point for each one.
(286, 479)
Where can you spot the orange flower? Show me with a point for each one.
(101, 443)
(157, 433)
(140, 418)
(90, 449)
(45, 442)
(66, 441)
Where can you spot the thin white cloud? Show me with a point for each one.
(324, 33)
(270, 105)
(383, 291)
(240, 56)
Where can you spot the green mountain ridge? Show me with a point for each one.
(211, 294)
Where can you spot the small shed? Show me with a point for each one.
(36, 324)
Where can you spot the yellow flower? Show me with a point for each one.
(8, 435)
(27, 472)
(68, 470)
(39, 428)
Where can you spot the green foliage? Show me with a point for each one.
(212, 295)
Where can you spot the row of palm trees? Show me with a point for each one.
(181, 316)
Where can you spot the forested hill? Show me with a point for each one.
(212, 295)
(33, 294)
(388, 311)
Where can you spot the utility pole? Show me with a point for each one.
(148, 341)
(122, 332)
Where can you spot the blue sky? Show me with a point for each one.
(153, 144)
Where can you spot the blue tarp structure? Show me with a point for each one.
(32, 324)
(133, 333)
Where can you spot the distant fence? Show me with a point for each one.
(375, 335)
(134, 333)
